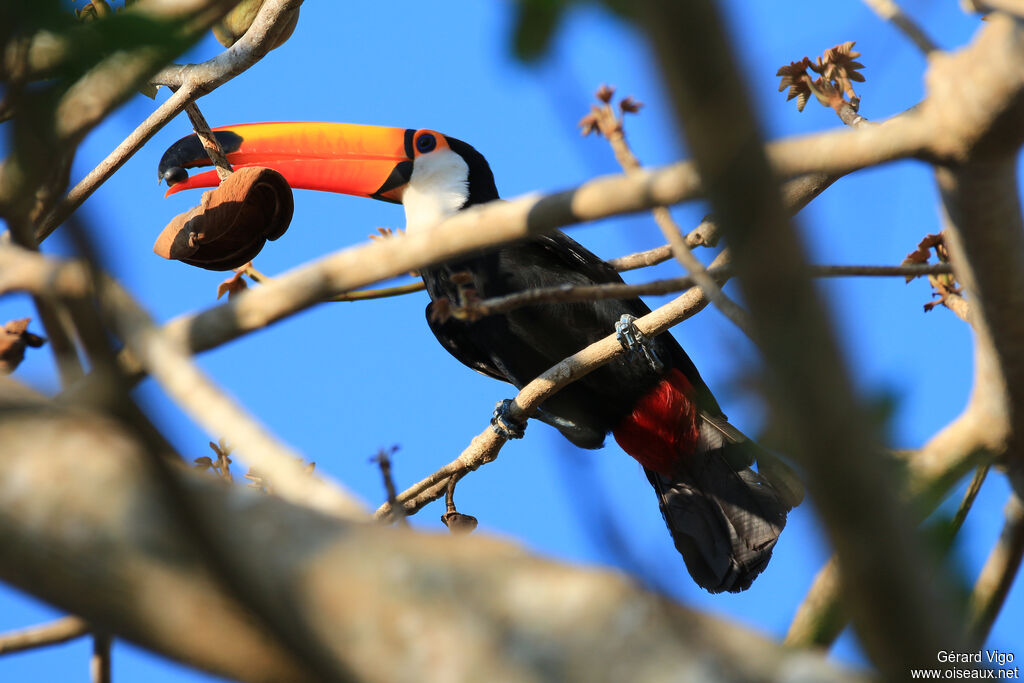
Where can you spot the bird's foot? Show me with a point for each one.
(504, 424)
(636, 342)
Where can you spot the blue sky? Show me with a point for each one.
(341, 381)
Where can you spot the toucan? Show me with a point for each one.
(724, 517)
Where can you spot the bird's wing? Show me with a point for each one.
(454, 337)
(580, 259)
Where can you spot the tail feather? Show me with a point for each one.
(724, 522)
(724, 517)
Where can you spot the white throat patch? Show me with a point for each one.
(438, 188)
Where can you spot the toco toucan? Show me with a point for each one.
(724, 517)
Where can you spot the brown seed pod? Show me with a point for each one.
(232, 223)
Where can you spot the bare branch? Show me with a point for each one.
(997, 575)
(173, 106)
(610, 125)
(462, 595)
(208, 140)
(485, 446)
(1012, 7)
(53, 633)
(567, 293)
(249, 49)
(507, 221)
(190, 83)
(968, 500)
(890, 11)
(187, 384)
(383, 460)
(796, 194)
(810, 390)
(99, 664)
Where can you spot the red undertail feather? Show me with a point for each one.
(724, 517)
(664, 425)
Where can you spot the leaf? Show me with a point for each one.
(14, 338)
(232, 286)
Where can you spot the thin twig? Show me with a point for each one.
(976, 436)
(173, 106)
(356, 295)
(191, 81)
(485, 446)
(351, 585)
(997, 575)
(955, 302)
(611, 126)
(174, 369)
(182, 379)
(508, 221)
(382, 293)
(642, 259)
(968, 500)
(891, 12)
(99, 663)
(53, 633)
(810, 387)
(796, 194)
(571, 293)
(383, 460)
(729, 308)
(209, 141)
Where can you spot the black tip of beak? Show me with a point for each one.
(188, 152)
(173, 175)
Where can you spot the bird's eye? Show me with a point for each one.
(426, 143)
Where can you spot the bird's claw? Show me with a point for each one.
(636, 342)
(504, 424)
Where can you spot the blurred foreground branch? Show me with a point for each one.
(465, 599)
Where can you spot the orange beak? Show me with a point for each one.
(367, 161)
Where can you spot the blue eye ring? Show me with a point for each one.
(426, 143)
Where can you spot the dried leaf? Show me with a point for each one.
(232, 286)
(841, 63)
(923, 253)
(628, 105)
(605, 93)
(14, 339)
(794, 76)
(588, 124)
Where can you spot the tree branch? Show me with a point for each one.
(191, 83)
(568, 293)
(611, 127)
(463, 596)
(810, 391)
(997, 575)
(508, 221)
(53, 633)
(982, 432)
(249, 49)
(172, 367)
(891, 12)
(485, 446)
